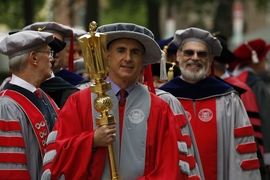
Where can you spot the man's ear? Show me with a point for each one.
(141, 76)
(33, 57)
(178, 53)
(211, 59)
(142, 70)
(109, 57)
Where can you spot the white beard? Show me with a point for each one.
(194, 75)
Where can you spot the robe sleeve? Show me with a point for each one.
(236, 141)
(69, 145)
(13, 159)
(186, 139)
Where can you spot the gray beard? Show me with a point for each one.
(194, 75)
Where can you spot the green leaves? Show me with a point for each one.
(12, 12)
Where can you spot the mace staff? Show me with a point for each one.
(94, 48)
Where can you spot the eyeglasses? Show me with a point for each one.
(50, 52)
(190, 53)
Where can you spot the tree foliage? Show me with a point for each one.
(12, 12)
(142, 12)
(124, 11)
(262, 4)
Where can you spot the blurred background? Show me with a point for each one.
(237, 20)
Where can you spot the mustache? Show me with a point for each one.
(197, 63)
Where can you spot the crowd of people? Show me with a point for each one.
(185, 108)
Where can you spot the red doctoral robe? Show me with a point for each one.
(221, 127)
(70, 153)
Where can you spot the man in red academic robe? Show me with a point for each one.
(144, 135)
(224, 135)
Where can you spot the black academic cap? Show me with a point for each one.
(57, 46)
(156, 69)
(167, 42)
(226, 55)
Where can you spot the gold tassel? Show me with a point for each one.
(170, 72)
(163, 74)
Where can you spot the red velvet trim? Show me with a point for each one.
(11, 141)
(15, 174)
(10, 125)
(244, 131)
(195, 177)
(250, 164)
(187, 139)
(33, 114)
(19, 158)
(191, 161)
(258, 135)
(182, 121)
(255, 121)
(247, 148)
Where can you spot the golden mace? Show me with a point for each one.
(94, 48)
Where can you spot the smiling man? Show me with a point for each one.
(125, 73)
(218, 118)
(144, 136)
